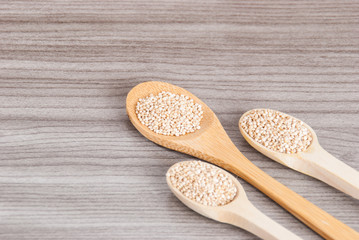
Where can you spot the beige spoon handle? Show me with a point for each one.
(325, 167)
(248, 217)
(314, 217)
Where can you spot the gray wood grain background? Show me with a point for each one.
(73, 167)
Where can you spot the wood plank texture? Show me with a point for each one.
(73, 167)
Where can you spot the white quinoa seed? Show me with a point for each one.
(169, 114)
(276, 131)
(203, 183)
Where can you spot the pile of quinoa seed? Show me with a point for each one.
(169, 114)
(276, 131)
(202, 182)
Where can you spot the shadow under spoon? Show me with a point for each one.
(211, 143)
(313, 161)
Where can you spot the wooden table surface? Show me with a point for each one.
(73, 167)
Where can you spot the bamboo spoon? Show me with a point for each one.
(239, 212)
(211, 143)
(315, 162)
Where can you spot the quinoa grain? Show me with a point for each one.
(169, 114)
(276, 131)
(203, 183)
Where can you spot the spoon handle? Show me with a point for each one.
(314, 217)
(248, 217)
(325, 167)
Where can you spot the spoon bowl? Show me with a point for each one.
(211, 143)
(239, 212)
(181, 143)
(314, 161)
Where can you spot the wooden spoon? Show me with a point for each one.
(211, 143)
(315, 162)
(240, 212)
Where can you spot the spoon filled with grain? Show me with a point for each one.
(175, 118)
(294, 144)
(216, 194)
